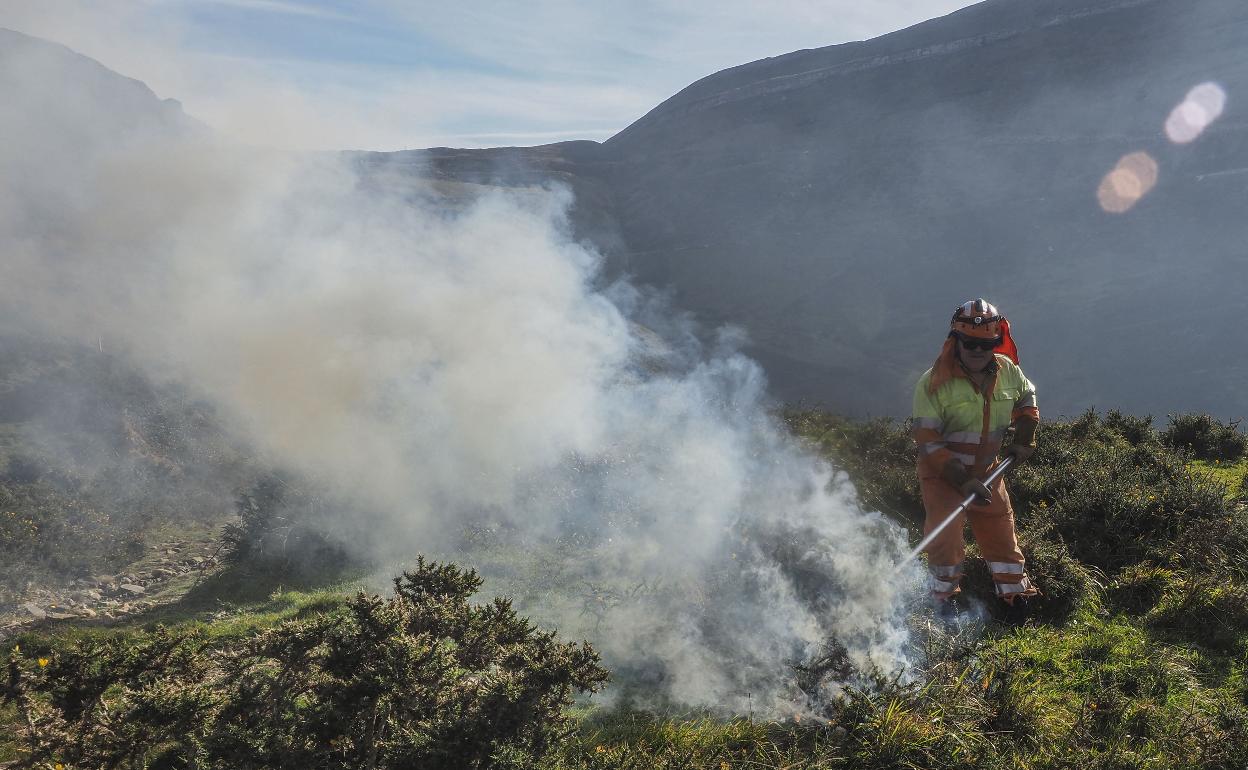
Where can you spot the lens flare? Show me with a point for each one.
(1202, 105)
(1127, 183)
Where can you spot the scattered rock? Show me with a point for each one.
(35, 610)
(86, 612)
(160, 572)
(92, 594)
(61, 615)
(132, 589)
(197, 560)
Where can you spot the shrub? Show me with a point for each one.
(1135, 430)
(277, 531)
(1205, 437)
(1114, 504)
(421, 680)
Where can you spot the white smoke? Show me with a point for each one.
(452, 365)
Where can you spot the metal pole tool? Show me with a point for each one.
(992, 477)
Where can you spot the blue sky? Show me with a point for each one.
(390, 74)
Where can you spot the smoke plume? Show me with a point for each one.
(455, 368)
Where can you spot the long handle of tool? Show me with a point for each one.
(992, 477)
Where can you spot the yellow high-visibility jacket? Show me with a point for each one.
(959, 421)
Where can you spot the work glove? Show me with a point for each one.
(1024, 445)
(954, 472)
(979, 488)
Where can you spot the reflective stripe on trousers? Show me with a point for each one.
(1023, 586)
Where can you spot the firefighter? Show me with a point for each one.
(963, 407)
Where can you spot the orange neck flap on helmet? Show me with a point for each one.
(947, 365)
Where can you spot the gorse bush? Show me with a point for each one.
(1134, 430)
(278, 531)
(421, 680)
(1069, 585)
(37, 521)
(1205, 437)
(1121, 505)
(1119, 499)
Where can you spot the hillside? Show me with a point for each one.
(1134, 655)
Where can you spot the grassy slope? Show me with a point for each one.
(94, 459)
(1232, 475)
(1138, 656)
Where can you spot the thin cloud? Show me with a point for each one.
(278, 6)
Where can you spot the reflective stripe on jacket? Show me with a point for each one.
(958, 421)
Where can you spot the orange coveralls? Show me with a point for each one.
(960, 421)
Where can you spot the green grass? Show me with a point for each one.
(9, 748)
(1230, 475)
(625, 738)
(231, 602)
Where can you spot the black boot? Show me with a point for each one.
(1017, 611)
(946, 611)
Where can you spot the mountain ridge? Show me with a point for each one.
(859, 59)
(13, 42)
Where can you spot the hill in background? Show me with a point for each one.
(837, 203)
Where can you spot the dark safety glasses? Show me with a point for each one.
(976, 343)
